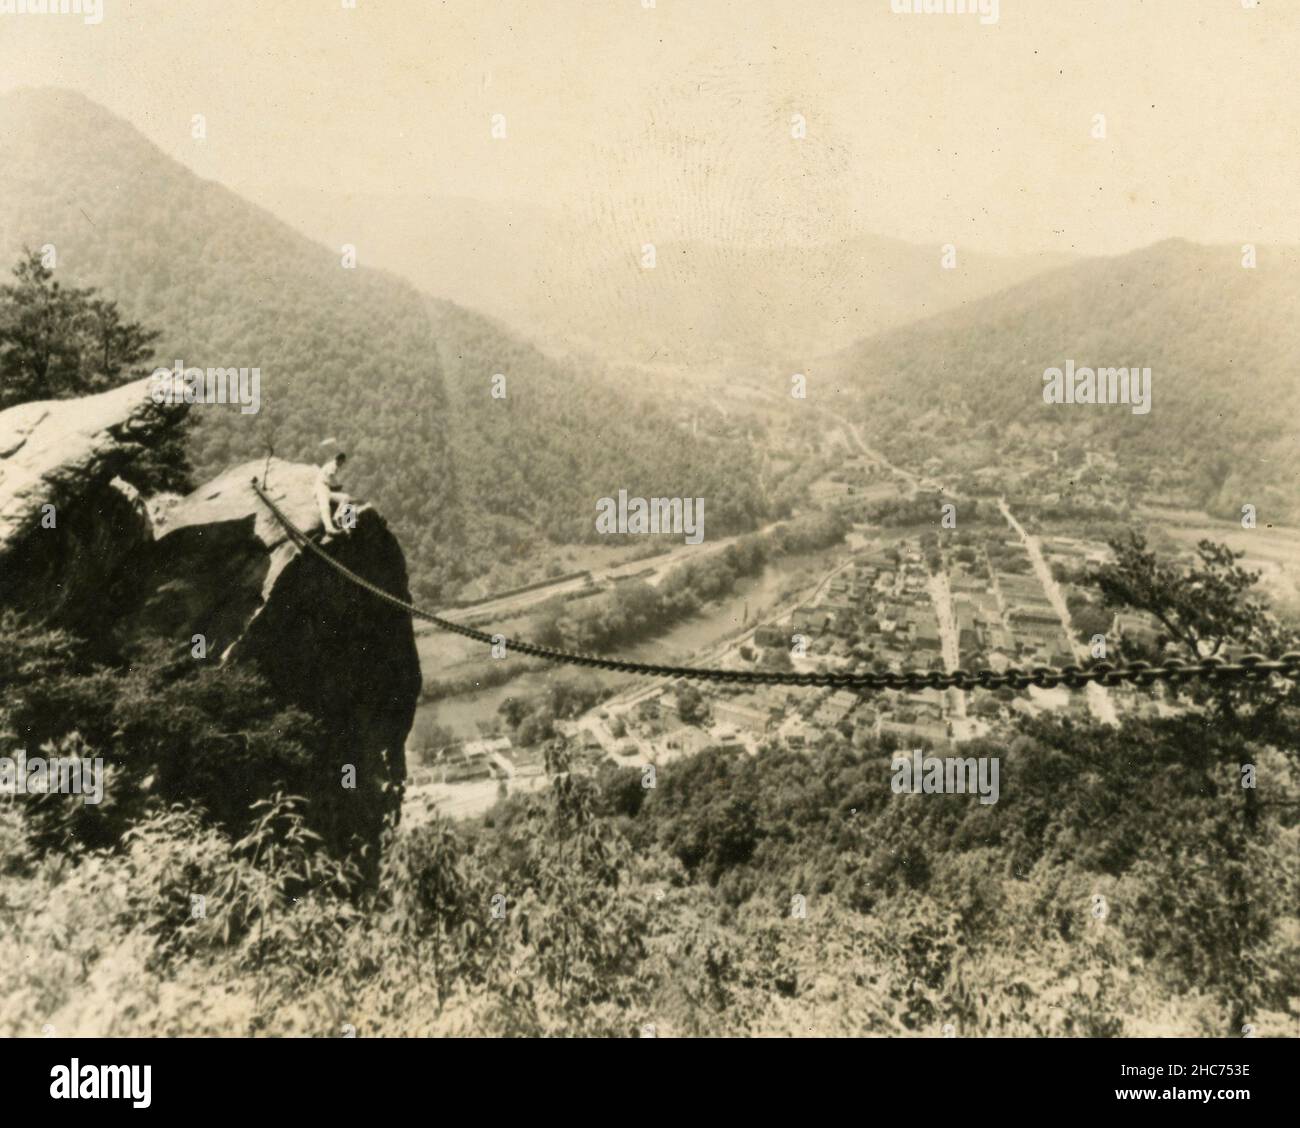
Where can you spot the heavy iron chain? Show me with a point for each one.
(1250, 667)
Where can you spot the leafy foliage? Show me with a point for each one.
(636, 610)
(58, 342)
(168, 730)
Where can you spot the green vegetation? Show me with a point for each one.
(1087, 618)
(976, 372)
(346, 353)
(691, 706)
(635, 610)
(168, 728)
(531, 720)
(533, 933)
(60, 342)
(403, 382)
(927, 509)
(580, 430)
(1125, 884)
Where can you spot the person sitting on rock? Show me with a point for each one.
(327, 493)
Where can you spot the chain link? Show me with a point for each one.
(1250, 667)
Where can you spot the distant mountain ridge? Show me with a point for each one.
(573, 288)
(467, 481)
(1221, 341)
(568, 432)
(342, 353)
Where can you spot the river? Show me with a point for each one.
(757, 594)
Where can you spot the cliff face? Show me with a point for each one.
(216, 564)
(221, 566)
(65, 521)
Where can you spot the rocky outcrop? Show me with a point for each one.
(217, 564)
(66, 521)
(222, 567)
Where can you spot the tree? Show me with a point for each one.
(690, 705)
(60, 342)
(167, 731)
(1205, 607)
(776, 658)
(584, 937)
(535, 728)
(1088, 619)
(437, 905)
(1202, 607)
(428, 738)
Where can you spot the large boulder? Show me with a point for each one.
(66, 519)
(223, 567)
(216, 563)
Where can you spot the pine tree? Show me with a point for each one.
(60, 342)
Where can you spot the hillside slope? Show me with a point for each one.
(1220, 340)
(532, 463)
(342, 353)
(571, 285)
(467, 481)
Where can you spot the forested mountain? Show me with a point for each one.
(1221, 341)
(532, 462)
(403, 384)
(571, 285)
(342, 353)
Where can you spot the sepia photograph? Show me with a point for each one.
(657, 519)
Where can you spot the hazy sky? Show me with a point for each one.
(676, 119)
